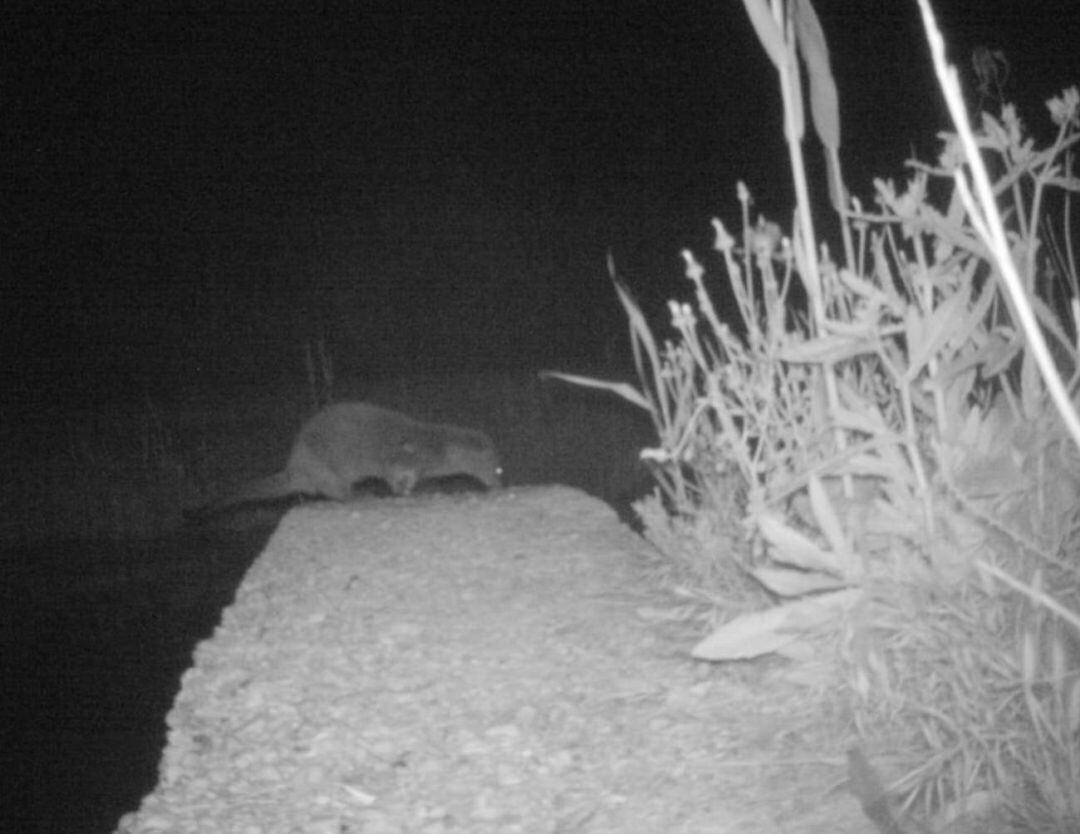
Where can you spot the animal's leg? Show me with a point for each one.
(402, 481)
(331, 485)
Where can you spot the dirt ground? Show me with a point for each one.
(503, 662)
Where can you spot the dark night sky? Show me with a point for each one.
(193, 190)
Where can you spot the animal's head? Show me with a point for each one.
(476, 458)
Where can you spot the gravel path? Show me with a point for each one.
(480, 663)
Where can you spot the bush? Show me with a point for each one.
(876, 456)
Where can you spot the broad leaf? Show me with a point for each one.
(763, 632)
(786, 582)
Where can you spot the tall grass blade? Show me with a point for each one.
(623, 389)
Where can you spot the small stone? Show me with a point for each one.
(484, 809)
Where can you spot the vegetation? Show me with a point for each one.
(871, 470)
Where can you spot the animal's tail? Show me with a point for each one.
(269, 488)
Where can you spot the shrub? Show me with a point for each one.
(876, 456)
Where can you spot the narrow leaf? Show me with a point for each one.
(772, 40)
(942, 325)
(1050, 320)
(824, 106)
(793, 548)
(838, 196)
(794, 117)
(1000, 354)
(640, 334)
(826, 349)
(866, 420)
(747, 636)
(913, 334)
(825, 516)
(1032, 388)
(623, 389)
(641, 337)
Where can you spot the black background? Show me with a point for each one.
(196, 190)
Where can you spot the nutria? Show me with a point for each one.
(347, 443)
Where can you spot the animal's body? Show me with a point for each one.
(347, 443)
